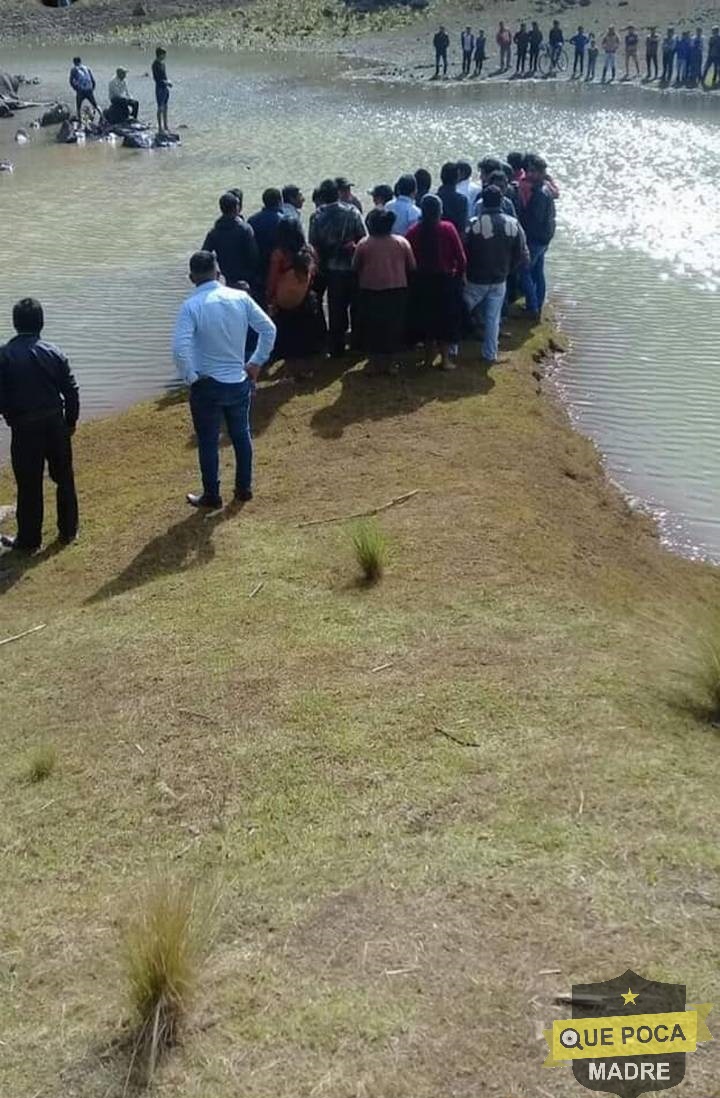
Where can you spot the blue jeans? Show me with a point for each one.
(532, 278)
(490, 299)
(211, 402)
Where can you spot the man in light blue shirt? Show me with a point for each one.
(209, 351)
(403, 205)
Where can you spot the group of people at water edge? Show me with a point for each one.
(687, 60)
(421, 268)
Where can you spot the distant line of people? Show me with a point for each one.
(123, 107)
(687, 60)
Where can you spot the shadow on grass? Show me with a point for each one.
(184, 546)
(364, 398)
(15, 566)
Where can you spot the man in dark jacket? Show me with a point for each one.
(535, 38)
(335, 230)
(556, 40)
(537, 217)
(495, 246)
(441, 42)
(264, 224)
(233, 243)
(455, 205)
(39, 402)
(522, 41)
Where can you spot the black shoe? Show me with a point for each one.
(8, 542)
(208, 503)
(243, 497)
(67, 539)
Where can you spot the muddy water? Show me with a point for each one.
(101, 234)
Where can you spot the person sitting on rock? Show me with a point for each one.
(122, 107)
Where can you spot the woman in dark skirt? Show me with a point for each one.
(292, 301)
(437, 303)
(382, 263)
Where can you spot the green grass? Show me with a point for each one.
(371, 549)
(41, 763)
(415, 796)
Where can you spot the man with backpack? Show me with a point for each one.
(82, 83)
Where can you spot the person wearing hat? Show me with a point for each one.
(122, 106)
(346, 195)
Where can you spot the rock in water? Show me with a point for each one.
(7, 166)
(137, 141)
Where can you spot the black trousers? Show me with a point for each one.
(440, 59)
(579, 62)
(668, 62)
(651, 62)
(466, 62)
(521, 60)
(340, 297)
(534, 57)
(33, 444)
(82, 97)
(121, 109)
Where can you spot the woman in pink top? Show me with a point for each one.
(382, 263)
(437, 304)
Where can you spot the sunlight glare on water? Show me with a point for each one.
(102, 234)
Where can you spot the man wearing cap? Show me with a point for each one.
(346, 195)
(122, 106)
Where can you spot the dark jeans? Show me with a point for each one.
(211, 402)
(467, 62)
(83, 96)
(121, 109)
(32, 445)
(668, 62)
(579, 62)
(440, 59)
(340, 297)
(534, 57)
(651, 63)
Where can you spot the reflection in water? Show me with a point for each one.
(102, 234)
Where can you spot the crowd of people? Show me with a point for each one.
(123, 107)
(687, 59)
(420, 268)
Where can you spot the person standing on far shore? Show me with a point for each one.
(535, 38)
(441, 42)
(39, 402)
(504, 41)
(652, 45)
(556, 39)
(669, 48)
(162, 88)
(632, 40)
(521, 41)
(610, 45)
(713, 58)
(209, 352)
(592, 59)
(480, 52)
(467, 45)
(579, 41)
(697, 52)
(683, 51)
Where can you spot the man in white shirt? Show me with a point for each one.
(472, 191)
(403, 205)
(122, 106)
(209, 352)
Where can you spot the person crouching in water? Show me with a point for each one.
(39, 401)
(495, 246)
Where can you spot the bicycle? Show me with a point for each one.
(545, 60)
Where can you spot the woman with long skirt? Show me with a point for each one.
(292, 301)
(437, 301)
(382, 263)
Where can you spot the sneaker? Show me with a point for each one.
(207, 503)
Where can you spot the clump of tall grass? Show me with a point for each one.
(371, 550)
(41, 762)
(702, 670)
(165, 946)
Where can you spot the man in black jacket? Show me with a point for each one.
(456, 207)
(441, 42)
(39, 402)
(233, 242)
(335, 231)
(495, 246)
(537, 217)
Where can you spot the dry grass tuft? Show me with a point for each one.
(165, 946)
(41, 763)
(370, 547)
(702, 672)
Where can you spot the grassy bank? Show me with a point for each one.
(429, 804)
